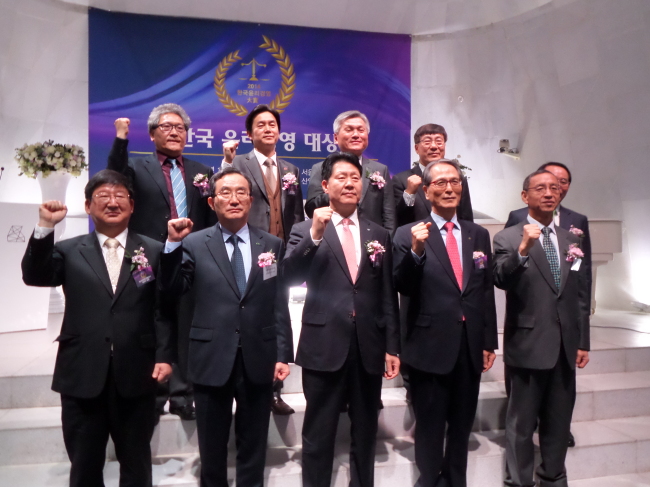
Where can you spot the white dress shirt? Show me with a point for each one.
(337, 221)
(440, 223)
(524, 260)
(42, 232)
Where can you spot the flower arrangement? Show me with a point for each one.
(48, 157)
(375, 251)
(290, 182)
(576, 231)
(266, 259)
(202, 182)
(574, 253)
(376, 179)
(139, 261)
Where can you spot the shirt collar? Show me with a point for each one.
(440, 221)
(337, 219)
(422, 168)
(541, 227)
(243, 233)
(163, 157)
(120, 238)
(261, 157)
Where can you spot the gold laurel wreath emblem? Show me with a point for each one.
(284, 96)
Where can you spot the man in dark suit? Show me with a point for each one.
(240, 338)
(563, 217)
(351, 131)
(164, 185)
(443, 264)
(349, 333)
(411, 204)
(546, 333)
(115, 340)
(277, 194)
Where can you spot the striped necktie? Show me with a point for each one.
(178, 188)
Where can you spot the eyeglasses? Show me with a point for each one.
(106, 197)
(554, 188)
(240, 194)
(442, 183)
(167, 127)
(426, 142)
(563, 182)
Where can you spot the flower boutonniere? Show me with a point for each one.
(577, 232)
(375, 252)
(290, 183)
(480, 260)
(266, 259)
(202, 182)
(140, 267)
(376, 179)
(574, 253)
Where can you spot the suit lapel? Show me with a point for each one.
(92, 253)
(125, 271)
(365, 235)
(365, 169)
(566, 218)
(565, 266)
(191, 191)
(155, 171)
(468, 237)
(258, 246)
(217, 248)
(332, 239)
(254, 169)
(420, 192)
(538, 254)
(283, 169)
(437, 246)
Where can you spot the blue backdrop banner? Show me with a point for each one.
(218, 71)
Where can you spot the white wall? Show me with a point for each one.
(568, 82)
(43, 88)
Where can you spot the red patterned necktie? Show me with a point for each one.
(348, 248)
(454, 256)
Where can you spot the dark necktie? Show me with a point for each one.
(237, 263)
(551, 255)
(454, 255)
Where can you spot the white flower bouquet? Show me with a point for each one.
(48, 157)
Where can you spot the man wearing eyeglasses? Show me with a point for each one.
(164, 189)
(116, 337)
(240, 339)
(443, 265)
(546, 333)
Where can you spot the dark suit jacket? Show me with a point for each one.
(260, 318)
(568, 218)
(540, 321)
(292, 208)
(376, 205)
(95, 319)
(405, 214)
(327, 324)
(437, 304)
(152, 209)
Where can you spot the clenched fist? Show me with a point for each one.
(413, 183)
(50, 213)
(178, 229)
(122, 128)
(230, 150)
(532, 233)
(321, 218)
(419, 235)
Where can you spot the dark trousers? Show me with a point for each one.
(444, 402)
(547, 395)
(213, 418)
(326, 393)
(178, 390)
(87, 424)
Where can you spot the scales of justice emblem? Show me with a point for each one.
(283, 97)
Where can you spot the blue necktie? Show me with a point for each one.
(178, 188)
(237, 263)
(551, 255)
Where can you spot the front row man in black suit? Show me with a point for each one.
(240, 339)
(546, 333)
(443, 265)
(349, 335)
(115, 340)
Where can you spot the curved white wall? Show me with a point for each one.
(568, 82)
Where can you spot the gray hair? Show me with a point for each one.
(338, 121)
(160, 110)
(426, 177)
